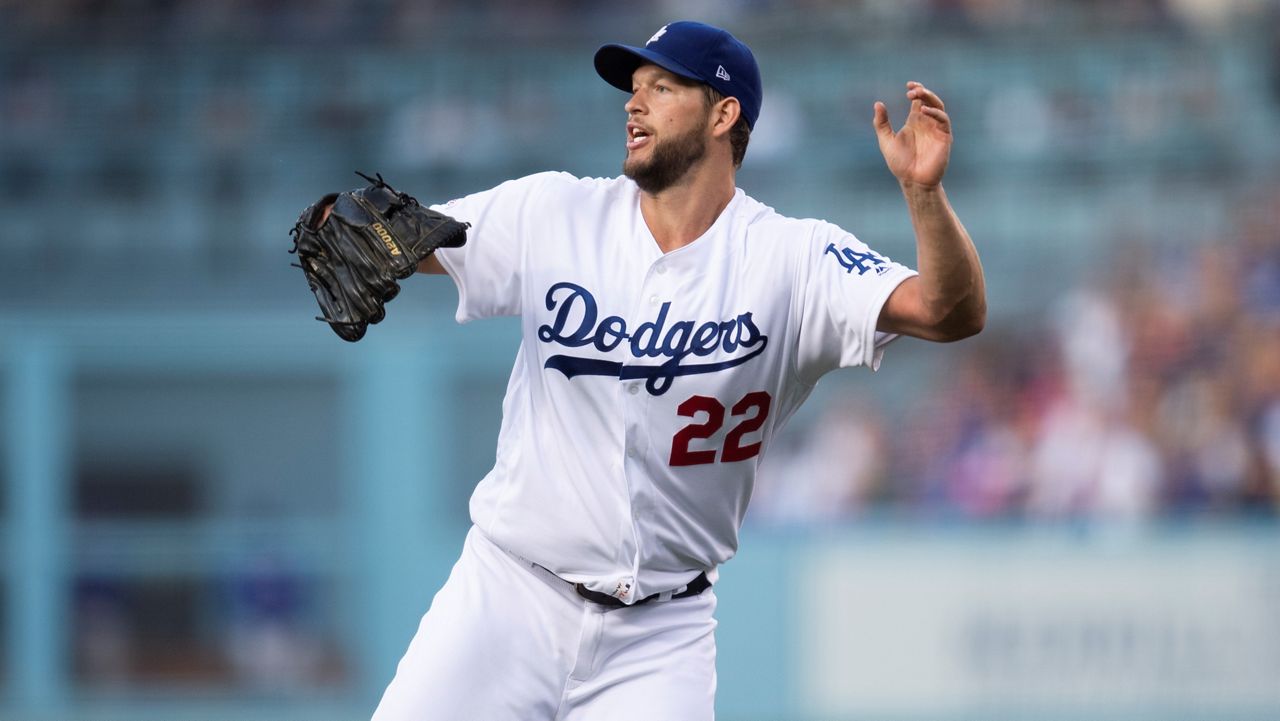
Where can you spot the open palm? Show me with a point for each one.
(918, 153)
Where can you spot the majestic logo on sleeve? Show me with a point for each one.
(577, 324)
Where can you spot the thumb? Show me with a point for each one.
(884, 131)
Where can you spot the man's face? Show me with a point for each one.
(667, 128)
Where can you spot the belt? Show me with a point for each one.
(695, 587)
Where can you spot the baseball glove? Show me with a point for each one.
(372, 238)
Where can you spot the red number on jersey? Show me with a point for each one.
(680, 453)
(733, 450)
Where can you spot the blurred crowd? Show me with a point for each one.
(440, 21)
(1153, 392)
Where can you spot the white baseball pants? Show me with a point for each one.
(505, 640)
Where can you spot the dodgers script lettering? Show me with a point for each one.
(577, 324)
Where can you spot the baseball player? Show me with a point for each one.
(671, 325)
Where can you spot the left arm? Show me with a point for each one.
(947, 301)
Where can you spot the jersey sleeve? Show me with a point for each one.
(489, 269)
(844, 284)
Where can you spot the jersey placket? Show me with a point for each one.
(639, 448)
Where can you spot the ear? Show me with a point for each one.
(724, 115)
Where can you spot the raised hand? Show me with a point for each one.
(918, 153)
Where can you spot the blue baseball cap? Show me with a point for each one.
(695, 51)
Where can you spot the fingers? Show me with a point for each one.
(884, 131)
(923, 102)
(319, 213)
(927, 103)
(926, 97)
(939, 115)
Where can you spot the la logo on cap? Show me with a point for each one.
(662, 31)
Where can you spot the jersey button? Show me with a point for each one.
(654, 299)
(634, 389)
(662, 269)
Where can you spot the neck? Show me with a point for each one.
(680, 214)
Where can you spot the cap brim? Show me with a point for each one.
(616, 63)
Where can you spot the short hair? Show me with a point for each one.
(739, 135)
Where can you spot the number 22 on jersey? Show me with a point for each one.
(752, 410)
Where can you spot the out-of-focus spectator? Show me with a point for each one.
(268, 647)
(1094, 348)
(104, 639)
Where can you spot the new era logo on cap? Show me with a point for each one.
(691, 50)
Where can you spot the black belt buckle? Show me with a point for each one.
(695, 587)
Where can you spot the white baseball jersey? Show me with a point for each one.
(648, 385)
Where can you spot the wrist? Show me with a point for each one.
(920, 196)
(910, 187)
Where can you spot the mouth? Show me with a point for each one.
(637, 137)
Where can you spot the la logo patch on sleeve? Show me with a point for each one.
(851, 260)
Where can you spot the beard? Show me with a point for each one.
(668, 162)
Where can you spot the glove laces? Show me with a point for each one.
(404, 200)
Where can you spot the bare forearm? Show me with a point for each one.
(953, 291)
(431, 265)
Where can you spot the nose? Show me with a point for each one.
(634, 105)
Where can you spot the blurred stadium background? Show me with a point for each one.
(212, 509)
